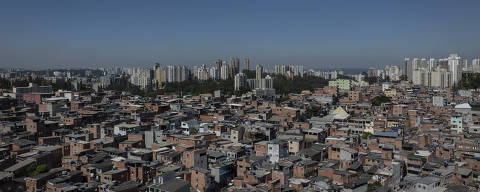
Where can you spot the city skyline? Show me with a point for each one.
(242, 66)
(88, 34)
(239, 96)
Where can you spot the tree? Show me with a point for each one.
(284, 85)
(36, 170)
(469, 81)
(282, 99)
(313, 111)
(281, 84)
(125, 85)
(57, 85)
(365, 135)
(5, 84)
(20, 83)
(371, 80)
(378, 100)
(41, 168)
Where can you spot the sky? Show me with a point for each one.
(316, 34)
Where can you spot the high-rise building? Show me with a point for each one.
(393, 72)
(253, 83)
(224, 71)
(423, 63)
(247, 64)
(264, 83)
(288, 70)
(171, 74)
(476, 64)
(259, 72)
(160, 75)
(416, 63)
(214, 73)
(420, 77)
(141, 77)
(443, 63)
(280, 70)
(239, 81)
(436, 73)
(297, 70)
(455, 67)
(218, 63)
(177, 73)
(432, 63)
(464, 64)
(202, 73)
(407, 69)
(267, 82)
(184, 73)
(234, 66)
(372, 72)
(438, 77)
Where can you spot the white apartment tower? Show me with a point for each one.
(476, 64)
(224, 71)
(455, 67)
(239, 81)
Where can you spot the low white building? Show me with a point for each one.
(438, 101)
(277, 151)
(426, 184)
(463, 108)
(125, 129)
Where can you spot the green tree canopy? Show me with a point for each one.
(377, 101)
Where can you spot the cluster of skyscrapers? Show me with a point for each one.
(259, 83)
(334, 74)
(220, 70)
(431, 72)
(392, 72)
(288, 71)
(167, 74)
(144, 77)
(140, 77)
(171, 74)
(440, 73)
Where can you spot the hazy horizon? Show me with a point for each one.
(315, 34)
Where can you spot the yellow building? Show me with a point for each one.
(390, 93)
(339, 110)
(392, 124)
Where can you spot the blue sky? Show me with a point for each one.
(316, 34)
